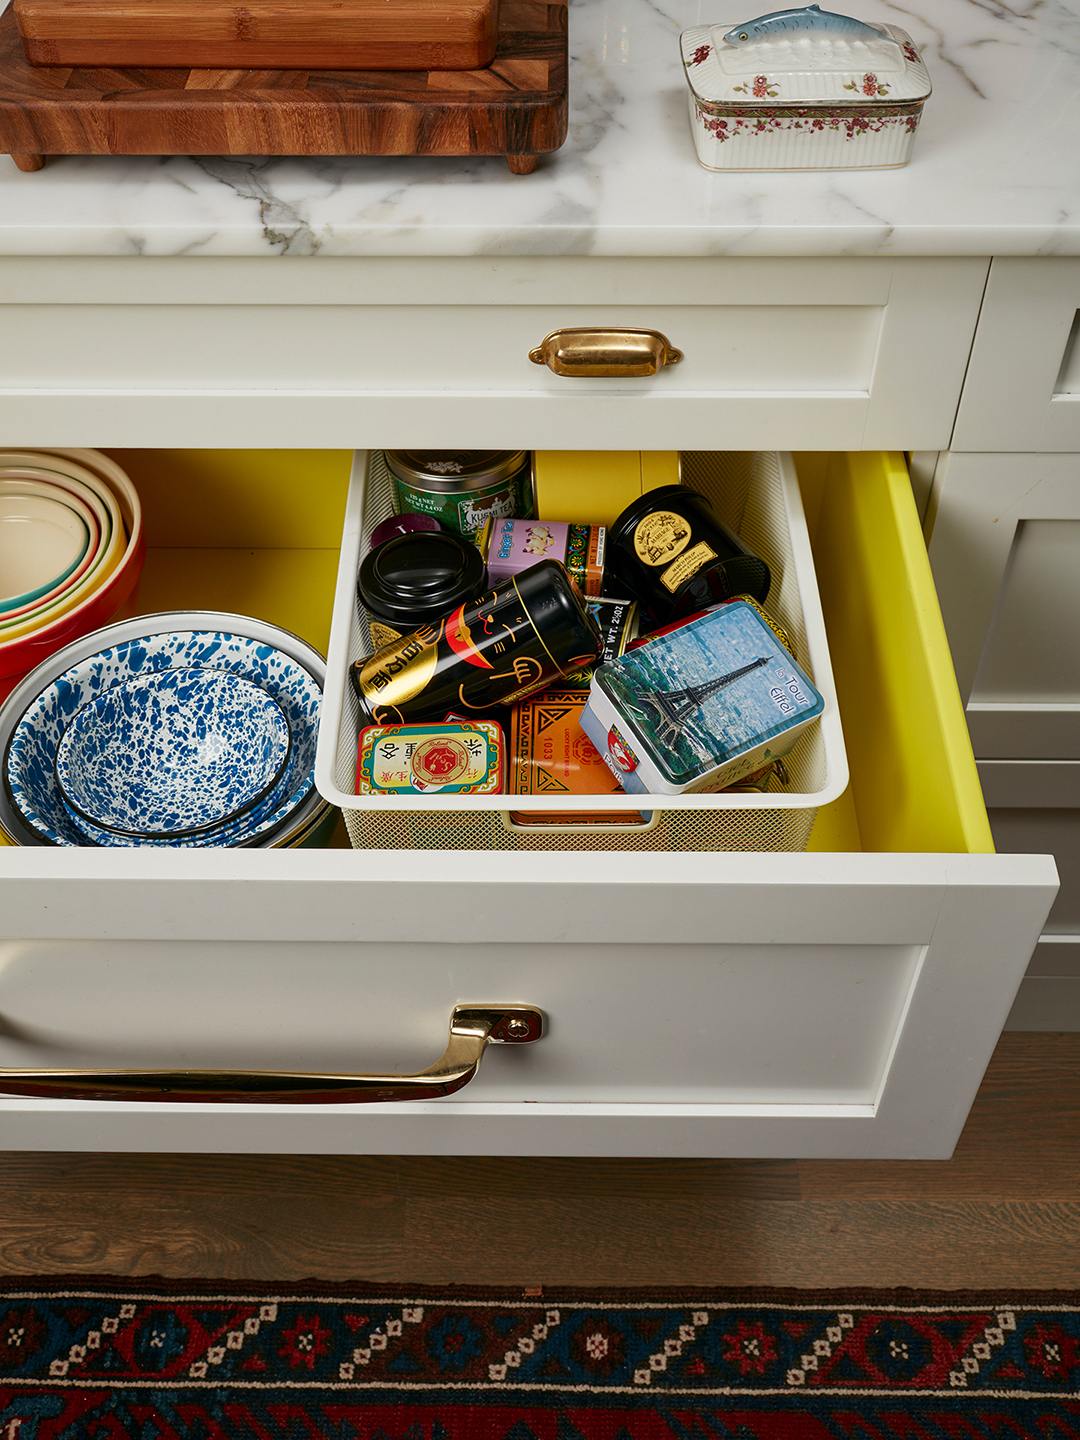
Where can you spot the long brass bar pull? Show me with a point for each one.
(472, 1029)
(586, 352)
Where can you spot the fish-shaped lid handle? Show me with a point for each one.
(804, 55)
(809, 39)
(808, 21)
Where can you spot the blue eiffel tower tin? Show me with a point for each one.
(701, 707)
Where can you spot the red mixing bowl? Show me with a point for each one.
(19, 657)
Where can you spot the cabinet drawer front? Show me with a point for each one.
(818, 354)
(822, 1022)
(743, 1003)
(731, 1024)
(1022, 390)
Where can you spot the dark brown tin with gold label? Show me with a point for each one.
(516, 638)
(671, 551)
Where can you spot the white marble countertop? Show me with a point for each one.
(995, 170)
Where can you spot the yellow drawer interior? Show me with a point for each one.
(252, 531)
(257, 532)
(914, 785)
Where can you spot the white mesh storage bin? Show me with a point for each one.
(757, 495)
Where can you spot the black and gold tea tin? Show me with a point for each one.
(671, 551)
(518, 637)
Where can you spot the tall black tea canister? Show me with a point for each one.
(671, 551)
(516, 638)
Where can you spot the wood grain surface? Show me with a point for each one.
(270, 34)
(517, 107)
(1004, 1211)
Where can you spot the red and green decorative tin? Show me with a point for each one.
(454, 759)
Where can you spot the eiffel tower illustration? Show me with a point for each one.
(671, 707)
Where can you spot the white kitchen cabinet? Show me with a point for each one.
(1022, 391)
(841, 1002)
(1005, 550)
(1004, 525)
(821, 353)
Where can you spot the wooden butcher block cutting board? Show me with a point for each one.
(265, 34)
(517, 106)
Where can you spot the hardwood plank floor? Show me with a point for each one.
(1004, 1211)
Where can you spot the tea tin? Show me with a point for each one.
(672, 552)
(402, 525)
(701, 708)
(591, 487)
(772, 776)
(518, 637)
(550, 754)
(511, 545)
(774, 625)
(463, 489)
(457, 759)
(416, 578)
(803, 89)
(617, 622)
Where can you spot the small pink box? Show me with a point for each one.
(512, 545)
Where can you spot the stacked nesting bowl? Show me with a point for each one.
(71, 551)
(189, 729)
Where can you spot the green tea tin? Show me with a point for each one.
(463, 489)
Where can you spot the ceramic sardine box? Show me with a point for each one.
(803, 89)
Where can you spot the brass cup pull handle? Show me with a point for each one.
(586, 352)
(472, 1029)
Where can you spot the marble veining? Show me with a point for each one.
(996, 167)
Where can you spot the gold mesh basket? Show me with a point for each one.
(756, 494)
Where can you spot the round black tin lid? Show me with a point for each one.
(453, 471)
(420, 577)
(679, 499)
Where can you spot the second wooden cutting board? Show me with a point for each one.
(261, 34)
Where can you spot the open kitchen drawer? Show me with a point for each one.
(842, 1002)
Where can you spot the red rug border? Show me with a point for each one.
(312, 1287)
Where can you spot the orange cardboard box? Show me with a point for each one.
(550, 754)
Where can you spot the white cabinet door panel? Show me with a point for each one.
(1053, 831)
(1022, 390)
(731, 1004)
(1031, 784)
(1024, 702)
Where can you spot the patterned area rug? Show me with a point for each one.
(165, 1360)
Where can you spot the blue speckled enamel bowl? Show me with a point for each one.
(32, 723)
(172, 753)
(229, 833)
